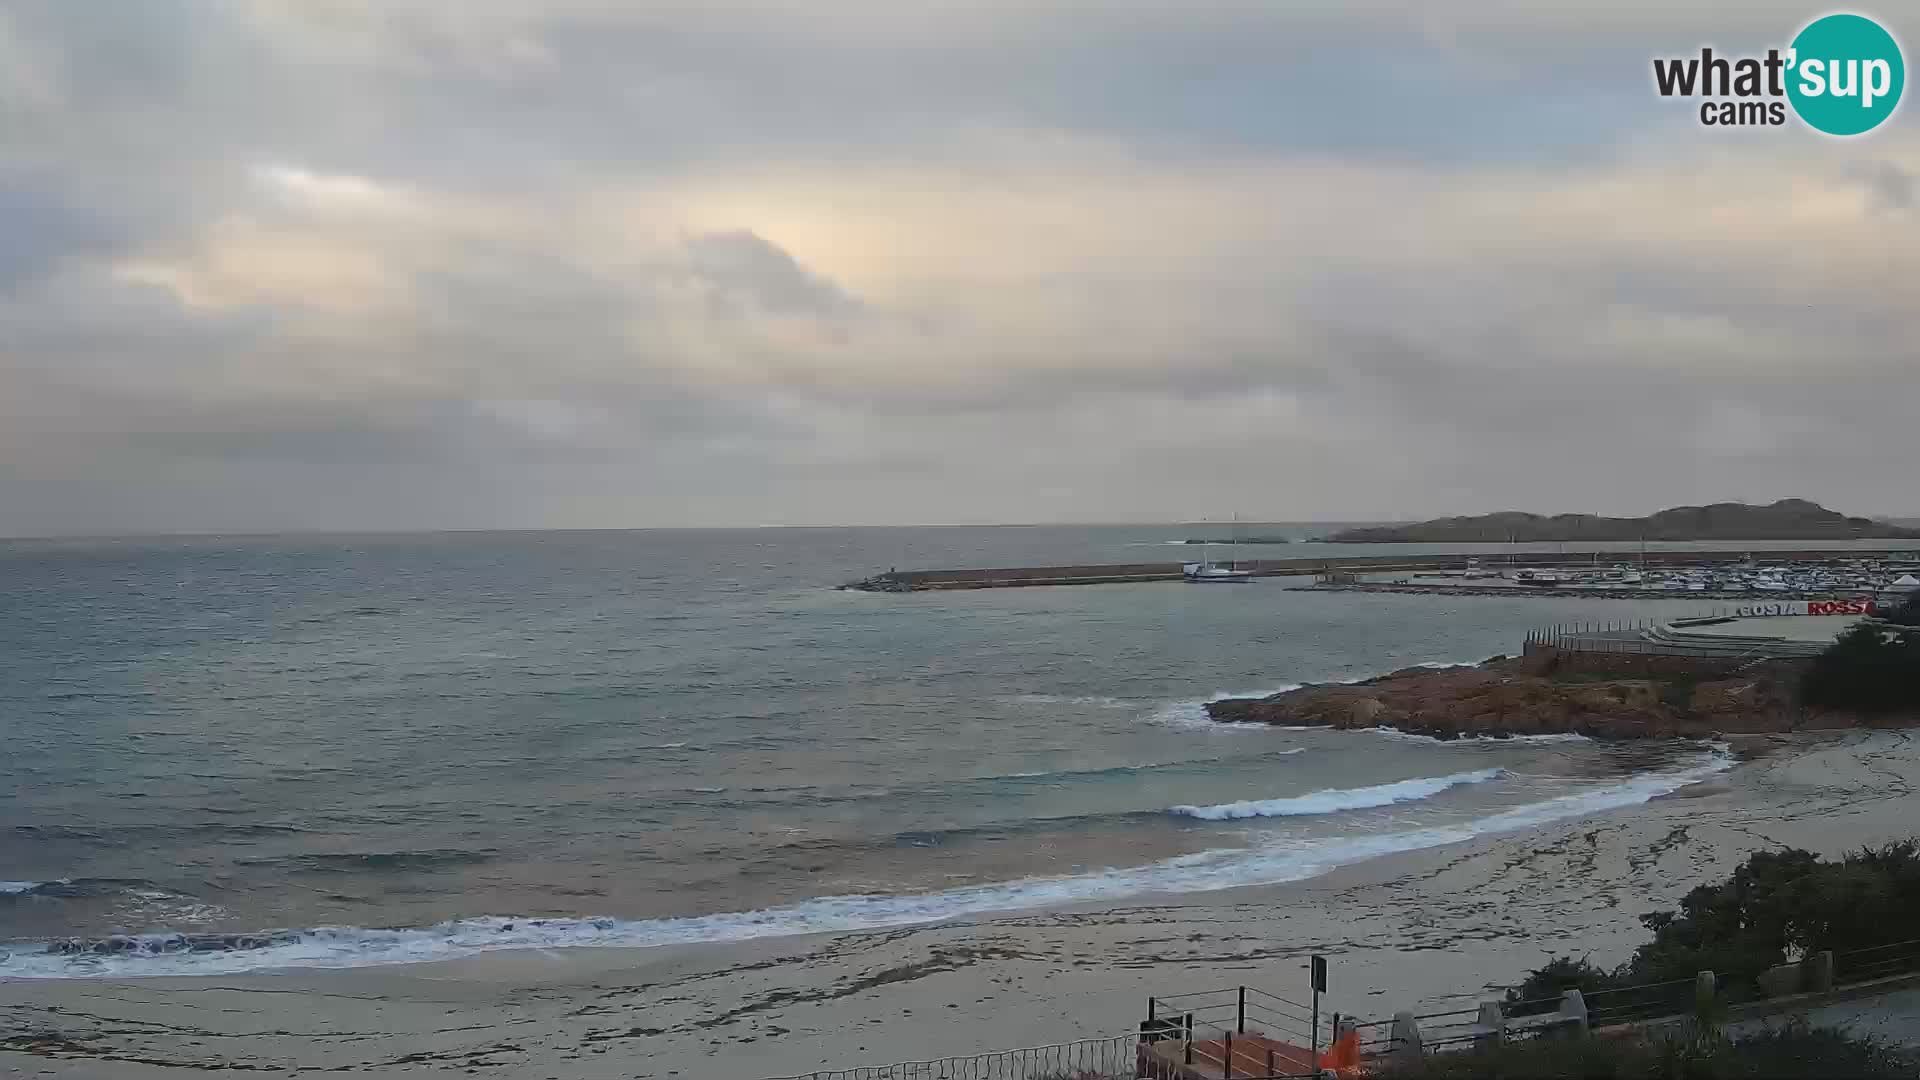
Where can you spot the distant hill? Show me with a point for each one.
(1788, 519)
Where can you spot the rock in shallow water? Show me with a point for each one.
(1524, 697)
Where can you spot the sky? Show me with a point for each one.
(277, 265)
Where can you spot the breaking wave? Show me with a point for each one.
(1335, 800)
(1191, 714)
(83, 888)
(1097, 701)
(361, 861)
(1276, 862)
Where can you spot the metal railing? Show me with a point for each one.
(1876, 962)
(1235, 1032)
(1657, 1002)
(1240, 1008)
(1491, 1022)
(1644, 1001)
(1111, 1058)
(1442, 1031)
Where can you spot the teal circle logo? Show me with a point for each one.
(1846, 74)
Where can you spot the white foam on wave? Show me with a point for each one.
(1191, 714)
(1556, 737)
(1205, 871)
(16, 887)
(1144, 766)
(1097, 701)
(1336, 800)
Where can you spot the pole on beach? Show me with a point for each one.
(1318, 972)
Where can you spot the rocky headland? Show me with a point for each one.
(1542, 694)
(1788, 519)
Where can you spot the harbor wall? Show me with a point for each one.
(1544, 659)
(1089, 574)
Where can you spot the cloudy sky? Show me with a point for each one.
(295, 264)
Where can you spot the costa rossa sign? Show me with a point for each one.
(1855, 606)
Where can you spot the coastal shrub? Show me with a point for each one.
(1790, 1053)
(1908, 613)
(1541, 991)
(1778, 906)
(1870, 669)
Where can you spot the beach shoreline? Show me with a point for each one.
(1437, 927)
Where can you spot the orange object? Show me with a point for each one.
(1343, 1057)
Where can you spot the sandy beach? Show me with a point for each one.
(1436, 928)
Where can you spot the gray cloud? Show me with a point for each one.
(742, 268)
(42, 230)
(583, 262)
(1892, 187)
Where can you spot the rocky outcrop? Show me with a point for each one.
(1505, 697)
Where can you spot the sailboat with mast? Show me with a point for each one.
(1206, 570)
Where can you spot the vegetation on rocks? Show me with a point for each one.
(1874, 670)
(1778, 907)
(1907, 614)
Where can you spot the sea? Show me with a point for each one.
(229, 754)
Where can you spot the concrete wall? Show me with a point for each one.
(1546, 660)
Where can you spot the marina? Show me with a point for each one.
(1704, 574)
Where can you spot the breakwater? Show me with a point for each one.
(1597, 593)
(1100, 574)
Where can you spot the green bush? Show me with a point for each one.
(1541, 991)
(1791, 1053)
(1870, 670)
(1907, 614)
(1777, 905)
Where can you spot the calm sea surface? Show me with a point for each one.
(400, 747)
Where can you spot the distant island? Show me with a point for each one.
(1788, 519)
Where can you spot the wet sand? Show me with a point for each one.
(1435, 929)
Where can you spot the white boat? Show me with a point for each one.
(1206, 570)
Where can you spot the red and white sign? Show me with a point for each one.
(1855, 606)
